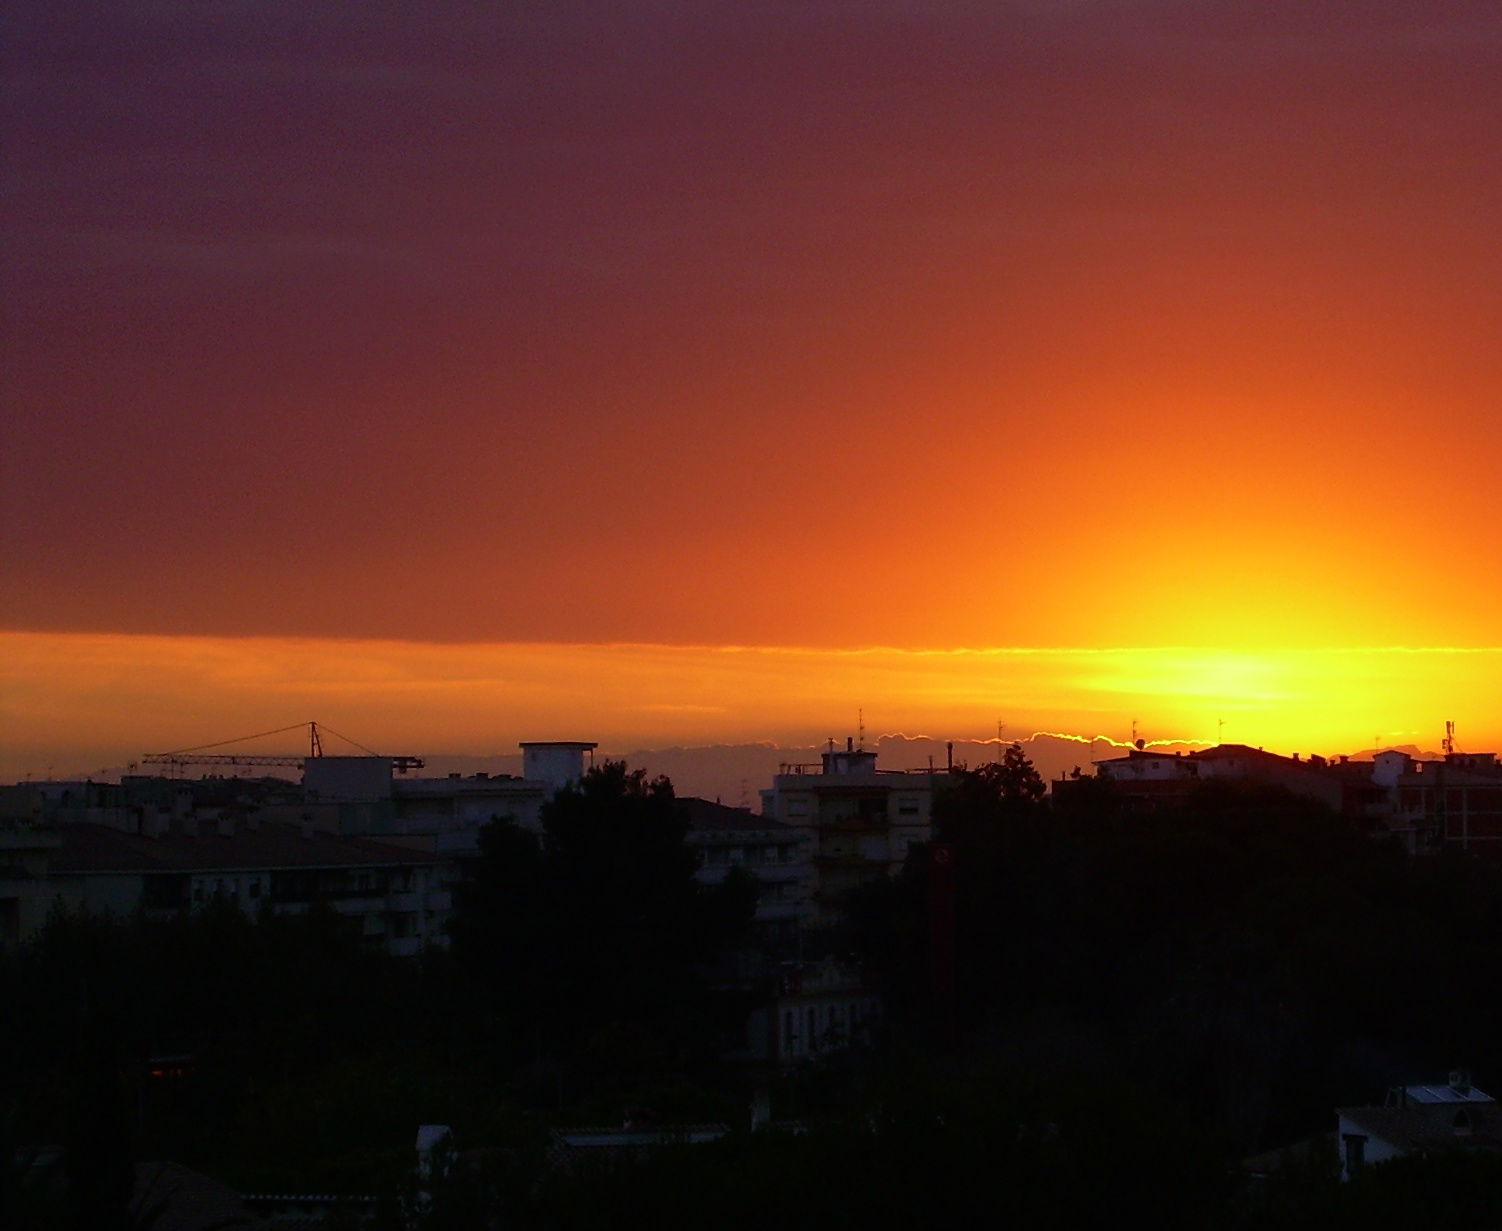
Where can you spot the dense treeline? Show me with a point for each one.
(225, 1043)
(1093, 1014)
(1251, 953)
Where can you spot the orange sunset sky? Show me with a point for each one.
(662, 372)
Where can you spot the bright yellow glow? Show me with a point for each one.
(78, 702)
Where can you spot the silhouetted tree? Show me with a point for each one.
(601, 920)
(1010, 785)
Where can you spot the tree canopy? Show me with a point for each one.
(597, 920)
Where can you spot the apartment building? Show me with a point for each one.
(861, 820)
(775, 853)
(396, 897)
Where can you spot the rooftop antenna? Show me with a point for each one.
(1449, 744)
(1134, 732)
(999, 725)
(1220, 730)
(860, 728)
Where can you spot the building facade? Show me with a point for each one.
(774, 853)
(861, 821)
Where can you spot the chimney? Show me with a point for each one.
(949, 756)
(849, 743)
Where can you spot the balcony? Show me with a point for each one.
(770, 912)
(779, 873)
(873, 822)
(849, 859)
(410, 902)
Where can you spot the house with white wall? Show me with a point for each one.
(1418, 1120)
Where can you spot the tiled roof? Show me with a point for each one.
(1431, 1126)
(1223, 751)
(705, 814)
(98, 848)
(171, 1197)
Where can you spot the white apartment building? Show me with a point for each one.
(861, 820)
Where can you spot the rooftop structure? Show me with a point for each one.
(558, 763)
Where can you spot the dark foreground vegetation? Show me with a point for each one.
(1092, 1018)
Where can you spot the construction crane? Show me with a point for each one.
(202, 754)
